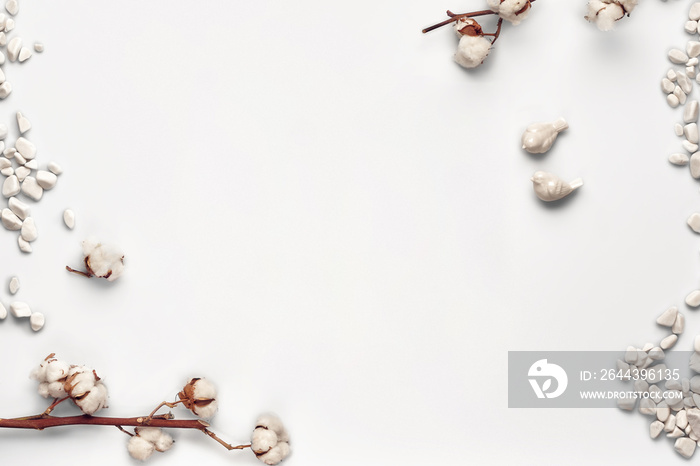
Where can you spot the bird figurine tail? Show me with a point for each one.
(577, 183)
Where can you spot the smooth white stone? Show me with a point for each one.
(696, 399)
(32, 189)
(647, 407)
(14, 46)
(23, 245)
(679, 324)
(690, 147)
(696, 343)
(695, 384)
(641, 385)
(12, 7)
(3, 41)
(626, 403)
(26, 148)
(670, 424)
(684, 82)
(3, 130)
(677, 433)
(9, 24)
(694, 12)
(694, 364)
(691, 132)
(2, 75)
(690, 112)
(9, 152)
(694, 223)
(685, 382)
(37, 321)
(14, 285)
(682, 419)
(663, 412)
(654, 392)
(693, 298)
(685, 447)
(692, 62)
(9, 171)
(3, 312)
(11, 186)
(647, 347)
(676, 403)
(4, 163)
(24, 54)
(671, 75)
(695, 165)
(691, 27)
(22, 173)
(675, 55)
(38, 47)
(693, 416)
(672, 100)
(32, 164)
(46, 180)
(23, 123)
(668, 317)
(20, 159)
(667, 86)
(20, 209)
(655, 429)
(20, 309)
(657, 354)
(5, 89)
(668, 342)
(679, 159)
(680, 94)
(690, 70)
(10, 221)
(631, 355)
(69, 218)
(55, 168)
(688, 402)
(29, 232)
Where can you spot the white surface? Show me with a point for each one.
(366, 246)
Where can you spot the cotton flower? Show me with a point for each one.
(51, 375)
(199, 396)
(86, 389)
(147, 440)
(270, 440)
(101, 260)
(511, 10)
(473, 47)
(604, 13)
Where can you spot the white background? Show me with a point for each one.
(330, 219)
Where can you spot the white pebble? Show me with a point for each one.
(55, 168)
(23, 245)
(14, 285)
(694, 13)
(694, 222)
(681, 419)
(695, 165)
(647, 407)
(38, 47)
(19, 309)
(692, 62)
(627, 403)
(28, 231)
(668, 317)
(9, 171)
(3, 130)
(14, 46)
(656, 354)
(691, 132)
(680, 93)
(669, 341)
(690, 70)
(26, 148)
(676, 433)
(3, 41)
(23, 123)
(671, 99)
(24, 54)
(690, 147)
(685, 447)
(20, 209)
(685, 83)
(5, 89)
(693, 299)
(3, 312)
(9, 220)
(678, 325)
(22, 172)
(4, 163)
(37, 320)
(655, 429)
(675, 55)
(31, 188)
(678, 129)
(671, 75)
(667, 86)
(696, 343)
(678, 159)
(69, 218)
(691, 27)
(9, 24)
(690, 112)
(46, 180)
(32, 164)
(11, 186)
(12, 7)
(20, 159)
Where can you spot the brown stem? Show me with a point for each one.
(164, 403)
(454, 17)
(43, 422)
(125, 431)
(55, 403)
(228, 446)
(79, 272)
(497, 33)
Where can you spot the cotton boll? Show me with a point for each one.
(203, 389)
(56, 389)
(164, 443)
(513, 11)
(139, 448)
(206, 409)
(263, 440)
(199, 396)
(472, 51)
(604, 14)
(93, 401)
(44, 389)
(106, 262)
(56, 370)
(276, 454)
(89, 245)
(628, 5)
(271, 422)
(161, 440)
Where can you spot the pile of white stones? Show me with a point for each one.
(17, 164)
(20, 309)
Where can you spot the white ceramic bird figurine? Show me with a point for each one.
(539, 137)
(549, 187)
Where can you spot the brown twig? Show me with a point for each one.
(454, 17)
(79, 272)
(498, 31)
(42, 422)
(228, 446)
